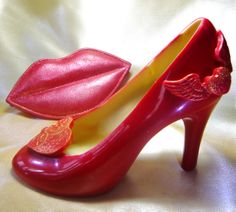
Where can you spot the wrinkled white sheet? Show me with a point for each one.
(135, 30)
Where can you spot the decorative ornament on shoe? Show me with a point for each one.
(54, 139)
(190, 87)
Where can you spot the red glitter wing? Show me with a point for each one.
(189, 87)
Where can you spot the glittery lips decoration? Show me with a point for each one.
(69, 86)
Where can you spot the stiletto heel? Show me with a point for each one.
(194, 128)
(91, 154)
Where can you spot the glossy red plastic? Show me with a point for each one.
(69, 86)
(102, 167)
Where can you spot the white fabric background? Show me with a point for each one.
(135, 30)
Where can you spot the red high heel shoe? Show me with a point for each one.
(184, 81)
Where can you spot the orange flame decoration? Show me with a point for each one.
(54, 139)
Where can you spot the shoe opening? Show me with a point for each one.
(95, 126)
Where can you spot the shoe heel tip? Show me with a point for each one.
(188, 168)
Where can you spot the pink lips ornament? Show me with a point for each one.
(69, 86)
